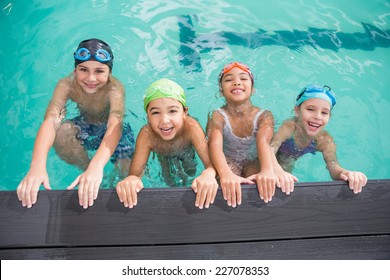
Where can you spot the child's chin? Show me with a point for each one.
(167, 137)
(313, 132)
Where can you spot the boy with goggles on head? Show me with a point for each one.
(304, 134)
(239, 137)
(100, 100)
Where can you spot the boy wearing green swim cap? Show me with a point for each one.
(305, 134)
(174, 137)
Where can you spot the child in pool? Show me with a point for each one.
(239, 137)
(100, 100)
(304, 134)
(173, 136)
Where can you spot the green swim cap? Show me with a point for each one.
(164, 88)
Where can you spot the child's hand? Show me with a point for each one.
(127, 190)
(27, 190)
(266, 181)
(285, 181)
(89, 183)
(205, 186)
(231, 188)
(356, 180)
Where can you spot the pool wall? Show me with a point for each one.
(317, 221)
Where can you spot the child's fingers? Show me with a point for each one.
(233, 197)
(282, 184)
(34, 195)
(119, 191)
(249, 180)
(261, 191)
(343, 177)
(28, 189)
(129, 198)
(213, 193)
(46, 183)
(201, 197)
(83, 193)
(93, 192)
(265, 193)
(224, 192)
(238, 194)
(229, 195)
(194, 186)
(209, 196)
(20, 191)
(74, 183)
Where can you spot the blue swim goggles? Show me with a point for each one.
(100, 55)
(314, 91)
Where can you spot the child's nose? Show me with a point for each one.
(92, 77)
(165, 118)
(318, 115)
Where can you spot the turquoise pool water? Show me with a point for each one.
(288, 44)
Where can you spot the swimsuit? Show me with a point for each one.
(177, 168)
(289, 149)
(237, 149)
(91, 135)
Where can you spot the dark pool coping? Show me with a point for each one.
(317, 221)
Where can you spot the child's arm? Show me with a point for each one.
(230, 182)
(128, 188)
(27, 190)
(205, 186)
(89, 181)
(284, 180)
(356, 180)
(265, 178)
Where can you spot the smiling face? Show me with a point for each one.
(312, 115)
(91, 75)
(166, 117)
(236, 86)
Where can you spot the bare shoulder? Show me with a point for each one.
(284, 132)
(266, 116)
(145, 133)
(116, 87)
(193, 127)
(288, 124)
(324, 141)
(65, 83)
(266, 121)
(217, 118)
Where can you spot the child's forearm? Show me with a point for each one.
(276, 166)
(210, 171)
(108, 144)
(265, 156)
(335, 170)
(220, 164)
(43, 142)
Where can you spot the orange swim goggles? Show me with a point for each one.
(232, 65)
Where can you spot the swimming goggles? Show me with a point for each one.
(315, 92)
(100, 55)
(232, 65)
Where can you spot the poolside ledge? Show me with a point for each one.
(317, 221)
